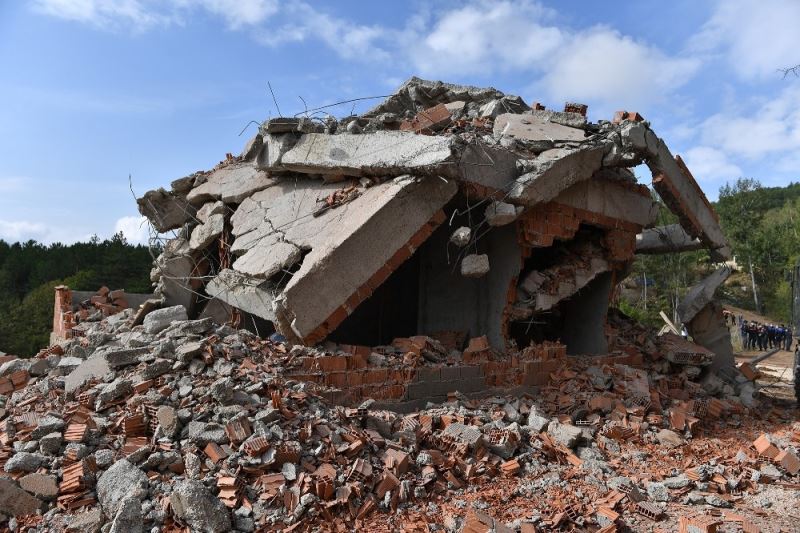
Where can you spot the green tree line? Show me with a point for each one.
(30, 271)
(762, 225)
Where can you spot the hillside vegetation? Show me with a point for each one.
(29, 272)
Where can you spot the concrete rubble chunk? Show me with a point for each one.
(266, 260)
(565, 434)
(16, 502)
(501, 213)
(461, 236)
(252, 147)
(94, 367)
(165, 210)
(204, 234)
(553, 171)
(160, 319)
(86, 522)
(243, 292)
(210, 208)
(40, 485)
(529, 127)
(199, 509)
(128, 518)
(475, 265)
(24, 462)
(119, 483)
(231, 183)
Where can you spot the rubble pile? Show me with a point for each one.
(177, 423)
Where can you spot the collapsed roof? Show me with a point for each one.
(444, 208)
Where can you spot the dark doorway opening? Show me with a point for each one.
(390, 312)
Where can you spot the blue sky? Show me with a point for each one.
(96, 90)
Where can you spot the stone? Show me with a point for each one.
(501, 213)
(119, 483)
(167, 419)
(461, 236)
(657, 492)
(46, 425)
(202, 433)
(537, 422)
(86, 522)
(24, 462)
(198, 508)
(565, 434)
(51, 443)
(160, 319)
(16, 502)
(118, 358)
(667, 437)
(204, 234)
(128, 518)
(104, 458)
(475, 265)
(40, 485)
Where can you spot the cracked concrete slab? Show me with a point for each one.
(382, 153)
(535, 128)
(231, 183)
(553, 171)
(244, 292)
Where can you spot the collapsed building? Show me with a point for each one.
(444, 210)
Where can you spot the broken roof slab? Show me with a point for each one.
(613, 199)
(231, 183)
(702, 294)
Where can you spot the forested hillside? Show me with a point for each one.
(763, 227)
(29, 272)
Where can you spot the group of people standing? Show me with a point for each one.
(757, 336)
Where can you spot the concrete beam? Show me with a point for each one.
(666, 239)
(702, 294)
(679, 190)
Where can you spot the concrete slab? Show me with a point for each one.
(231, 183)
(553, 171)
(94, 367)
(356, 241)
(666, 239)
(612, 199)
(526, 127)
(382, 153)
(267, 259)
(244, 292)
(204, 234)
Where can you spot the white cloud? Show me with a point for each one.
(756, 37)
(104, 14)
(755, 132)
(597, 65)
(486, 37)
(21, 230)
(710, 166)
(603, 65)
(135, 229)
(236, 13)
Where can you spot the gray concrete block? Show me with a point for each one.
(451, 373)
